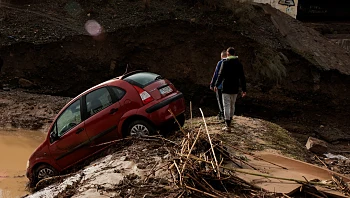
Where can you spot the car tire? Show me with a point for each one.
(44, 171)
(139, 128)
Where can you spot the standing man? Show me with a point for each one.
(231, 75)
(218, 91)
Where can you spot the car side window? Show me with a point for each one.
(119, 93)
(68, 119)
(97, 101)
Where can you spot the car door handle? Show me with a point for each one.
(113, 110)
(79, 130)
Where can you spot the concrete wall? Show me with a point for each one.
(278, 4)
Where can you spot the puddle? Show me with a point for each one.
(15, 148)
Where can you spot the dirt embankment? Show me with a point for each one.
(290, 79)
(152, 166)
(140, 167)
(28, 111)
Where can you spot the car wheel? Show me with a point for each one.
(140, 128)
(44, 171)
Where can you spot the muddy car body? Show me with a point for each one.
(137, 103)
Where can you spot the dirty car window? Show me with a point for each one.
(97, 101)
(69, 118)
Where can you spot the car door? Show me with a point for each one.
(102, 115)
(69, 141)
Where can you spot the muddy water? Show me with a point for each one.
(15, 148)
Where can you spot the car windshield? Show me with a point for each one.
(142, 79)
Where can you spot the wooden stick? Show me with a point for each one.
(223, 186)
(172, 175)
(180, 195)
(191, 114)
(189, 153)
(212, 149)
(181, 129)
(178, 170)
(53, 178)
(201, 185)
(205, 181)
(286, 195)
(158, 137)
(194, 189)
(188, 142)
(114, 141)
(321, 161)
(232, 160)
(183, 146)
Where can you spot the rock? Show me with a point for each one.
(316, 146)
(284, 58)
(331, 134)
(329, 161)
(24, 83)
(347, 162)
(132, 176)
(163, 181)
(335, 169)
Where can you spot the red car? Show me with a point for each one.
(136, 103)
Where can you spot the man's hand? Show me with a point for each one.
(215, 89)
(243, 94)
(211, 88)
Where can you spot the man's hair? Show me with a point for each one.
(224, 53)
(231, 50)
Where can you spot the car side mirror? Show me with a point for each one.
(53, 136)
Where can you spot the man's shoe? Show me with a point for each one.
(220, 116)
(227, 129)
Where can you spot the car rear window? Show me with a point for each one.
(142, 79)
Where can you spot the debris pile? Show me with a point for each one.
(198, 167)
(203, 164)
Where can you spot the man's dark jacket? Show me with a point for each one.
(231, 75)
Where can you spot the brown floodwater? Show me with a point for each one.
(15, 148)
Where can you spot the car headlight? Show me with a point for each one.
(27, 164)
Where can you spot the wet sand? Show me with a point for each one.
(15, 148)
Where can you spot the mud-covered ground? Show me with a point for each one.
(140, 167)
(24, 110)
(296, 77)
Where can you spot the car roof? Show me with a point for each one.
(107, 82)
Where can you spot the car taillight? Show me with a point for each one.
(145, 96)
